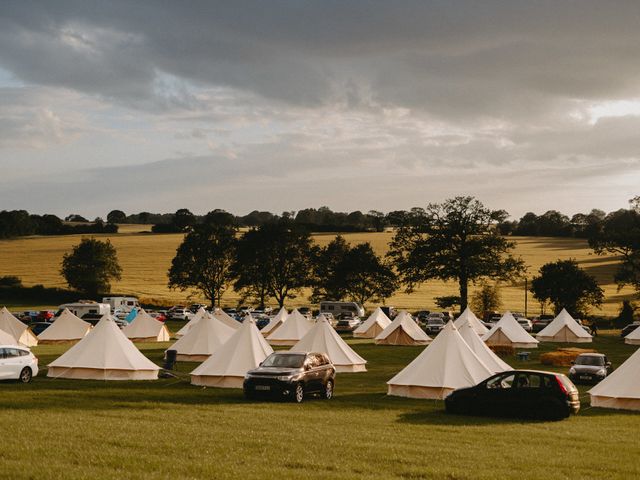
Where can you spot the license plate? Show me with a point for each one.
(263, 387)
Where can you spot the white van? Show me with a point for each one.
(122, 304)
(341, 309)
(81, 309)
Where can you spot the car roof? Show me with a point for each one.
(592, 354)
(545, 372)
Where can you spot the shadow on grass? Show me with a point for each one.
(440, 417)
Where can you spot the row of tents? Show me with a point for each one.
(459, 356)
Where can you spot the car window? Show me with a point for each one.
(2, 353)
(528, 380)
(12, 352)
(504, 381)
(547, 382)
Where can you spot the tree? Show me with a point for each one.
(183, 219)
(250, 267)
(327, 284)
(627, 312)
(377, 219)
(290, 255)
(447, 301)
(564, 284)
(116, 216)
(456, 240)
(486, 299)
(619, 234)
(364, 276)
(204, 259)
(74, 217)
(91, 266)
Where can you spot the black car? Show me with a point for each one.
(38, 327)
(288, 375)
(589, 368)
(518, 393)
(539, 323)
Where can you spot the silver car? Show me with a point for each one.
(17, 363)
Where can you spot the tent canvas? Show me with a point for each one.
(202, 340)
(275, 322)
(145, 328)
(228, 365)
(633, 338)
(225, 318)
(468, 317)
(446, 364)
(291, 331)
(7, 339)
(621, 389)
(564, 329)
(508, 332)
(402, 331)
(66, 328)
(200, 314)
(322, 338)
(373, 326)
(17, 329)
(484, 353)
(105, 353)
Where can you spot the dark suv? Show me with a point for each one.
(291, 375)
(519, 393)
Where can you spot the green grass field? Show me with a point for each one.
(168, 429)
(145, 259)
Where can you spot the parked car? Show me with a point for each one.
(525, 323)
(519, 393)
(390, 312)
(540, 322)
(38, 327)
(434, 325)
(346, 323)
(291, 375)
(45, 315)
(262, 320)
(629, 328)
(179, 313)
(17, 363)
(589, 368)
(161, 317)
(306, 311)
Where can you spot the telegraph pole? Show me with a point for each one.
(526, 291)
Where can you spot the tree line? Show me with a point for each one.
(20, 223)
(456, 240)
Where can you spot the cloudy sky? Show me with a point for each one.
(270, 105)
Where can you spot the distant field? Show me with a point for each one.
(145, 259)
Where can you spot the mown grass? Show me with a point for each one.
(145, 259)
(170, 429)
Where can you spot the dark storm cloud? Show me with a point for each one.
(470, 59)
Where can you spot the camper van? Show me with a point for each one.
(342, 309)
(121, 304)
(80, 309)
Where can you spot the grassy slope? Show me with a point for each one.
(146, 258)
(170, 429)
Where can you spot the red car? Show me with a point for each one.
(44, 315)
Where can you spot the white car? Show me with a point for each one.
(17, 363)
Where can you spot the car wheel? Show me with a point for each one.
(328, 390)
(298, 393)
(26, 375)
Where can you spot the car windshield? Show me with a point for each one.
(435, 321)
(590, 360)
(285, 360)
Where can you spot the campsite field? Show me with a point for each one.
(145, 259)
(168, 429)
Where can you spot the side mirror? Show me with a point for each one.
(608, 364)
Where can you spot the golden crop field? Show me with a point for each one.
(145, 259)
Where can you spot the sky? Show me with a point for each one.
(283, 105)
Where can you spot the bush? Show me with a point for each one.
(10, 281)
(625, 317)
(563, 356)
(503, 350)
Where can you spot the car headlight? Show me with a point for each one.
(247, 376)
(287, 378)
(572, 371)
(602, 372)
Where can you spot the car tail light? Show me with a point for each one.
(563, 389)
